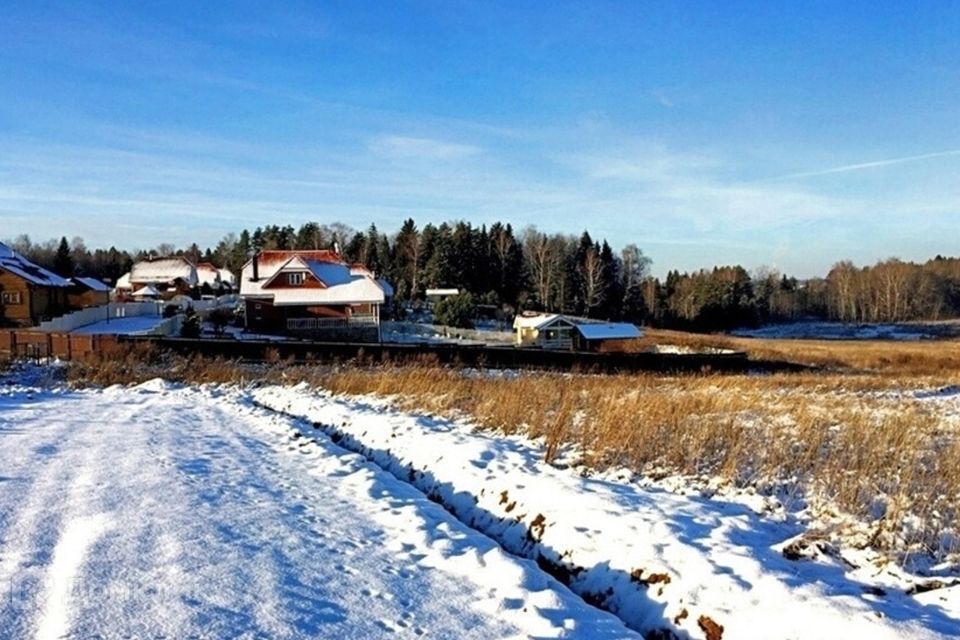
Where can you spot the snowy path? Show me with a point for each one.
(159, 512)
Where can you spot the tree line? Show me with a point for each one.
(500, 268)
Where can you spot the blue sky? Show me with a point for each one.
(783, 134)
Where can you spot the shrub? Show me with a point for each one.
(220, 318)
(191, 325)
(455, 311)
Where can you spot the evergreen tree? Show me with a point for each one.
(439, 269)
(63, 260)
(310, 237)
(408, 247)
(462, 265)
(611, 296)
(455, 311)
(353, 251)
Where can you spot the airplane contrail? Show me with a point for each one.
(870, 165)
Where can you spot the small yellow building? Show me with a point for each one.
(556, 331)
(546, 330)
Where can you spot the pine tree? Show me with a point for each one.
(611, 290)
(63, 260)
(439, 269)
(408, 247)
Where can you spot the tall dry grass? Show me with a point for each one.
(839, 449)
(846, 446)
(885, 358)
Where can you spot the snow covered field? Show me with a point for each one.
(158, 512)
(166, 510)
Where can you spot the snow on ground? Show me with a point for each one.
(126, 326)
(158, 511)
(239, 333)
(684, 350)
(844, 331)
(658, 559)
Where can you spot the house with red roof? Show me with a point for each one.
(312, 293)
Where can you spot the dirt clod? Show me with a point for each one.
(713, 630)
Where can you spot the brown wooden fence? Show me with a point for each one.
(39, 344)
(19, 343)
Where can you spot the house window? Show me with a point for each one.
(294, 278)
(12, 297)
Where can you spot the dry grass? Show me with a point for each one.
(854, 444)
(880, 357)
(872, 455)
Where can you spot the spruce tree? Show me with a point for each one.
(63, 260)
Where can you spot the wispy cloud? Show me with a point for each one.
(663, 98)
(868, 165)
(405, 147)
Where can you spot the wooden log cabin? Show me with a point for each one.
(87, 292)
(29, 293)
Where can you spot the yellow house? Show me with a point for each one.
(546, 330)
(556, 331)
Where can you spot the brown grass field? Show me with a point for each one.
(856, 442)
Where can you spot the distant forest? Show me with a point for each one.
(515, 271)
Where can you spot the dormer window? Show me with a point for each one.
(294, 279)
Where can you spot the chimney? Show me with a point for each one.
(256, 268)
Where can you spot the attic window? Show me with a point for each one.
(294, 279)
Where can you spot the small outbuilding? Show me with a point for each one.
(87, 292)
(148, 292)
(545, 330)
(558, 331)
(590, 336)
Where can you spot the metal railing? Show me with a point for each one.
(557, 343)
(331, 324)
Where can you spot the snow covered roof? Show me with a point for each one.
(147, 292)
(609, 331)
(341, 285)
(123, 282)
(91, 283)
(207, 274)
(163, 270)
(13, 262)
(589, 329)
(443, 292)
(537, 320)
(227, 277)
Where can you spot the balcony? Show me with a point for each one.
(360, 328)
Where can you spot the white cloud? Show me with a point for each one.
(663, 98)
(406, 147)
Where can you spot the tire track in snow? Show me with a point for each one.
(703, 547)
(34, 542)
(176, 513)
(76, 539)
(403, 474)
